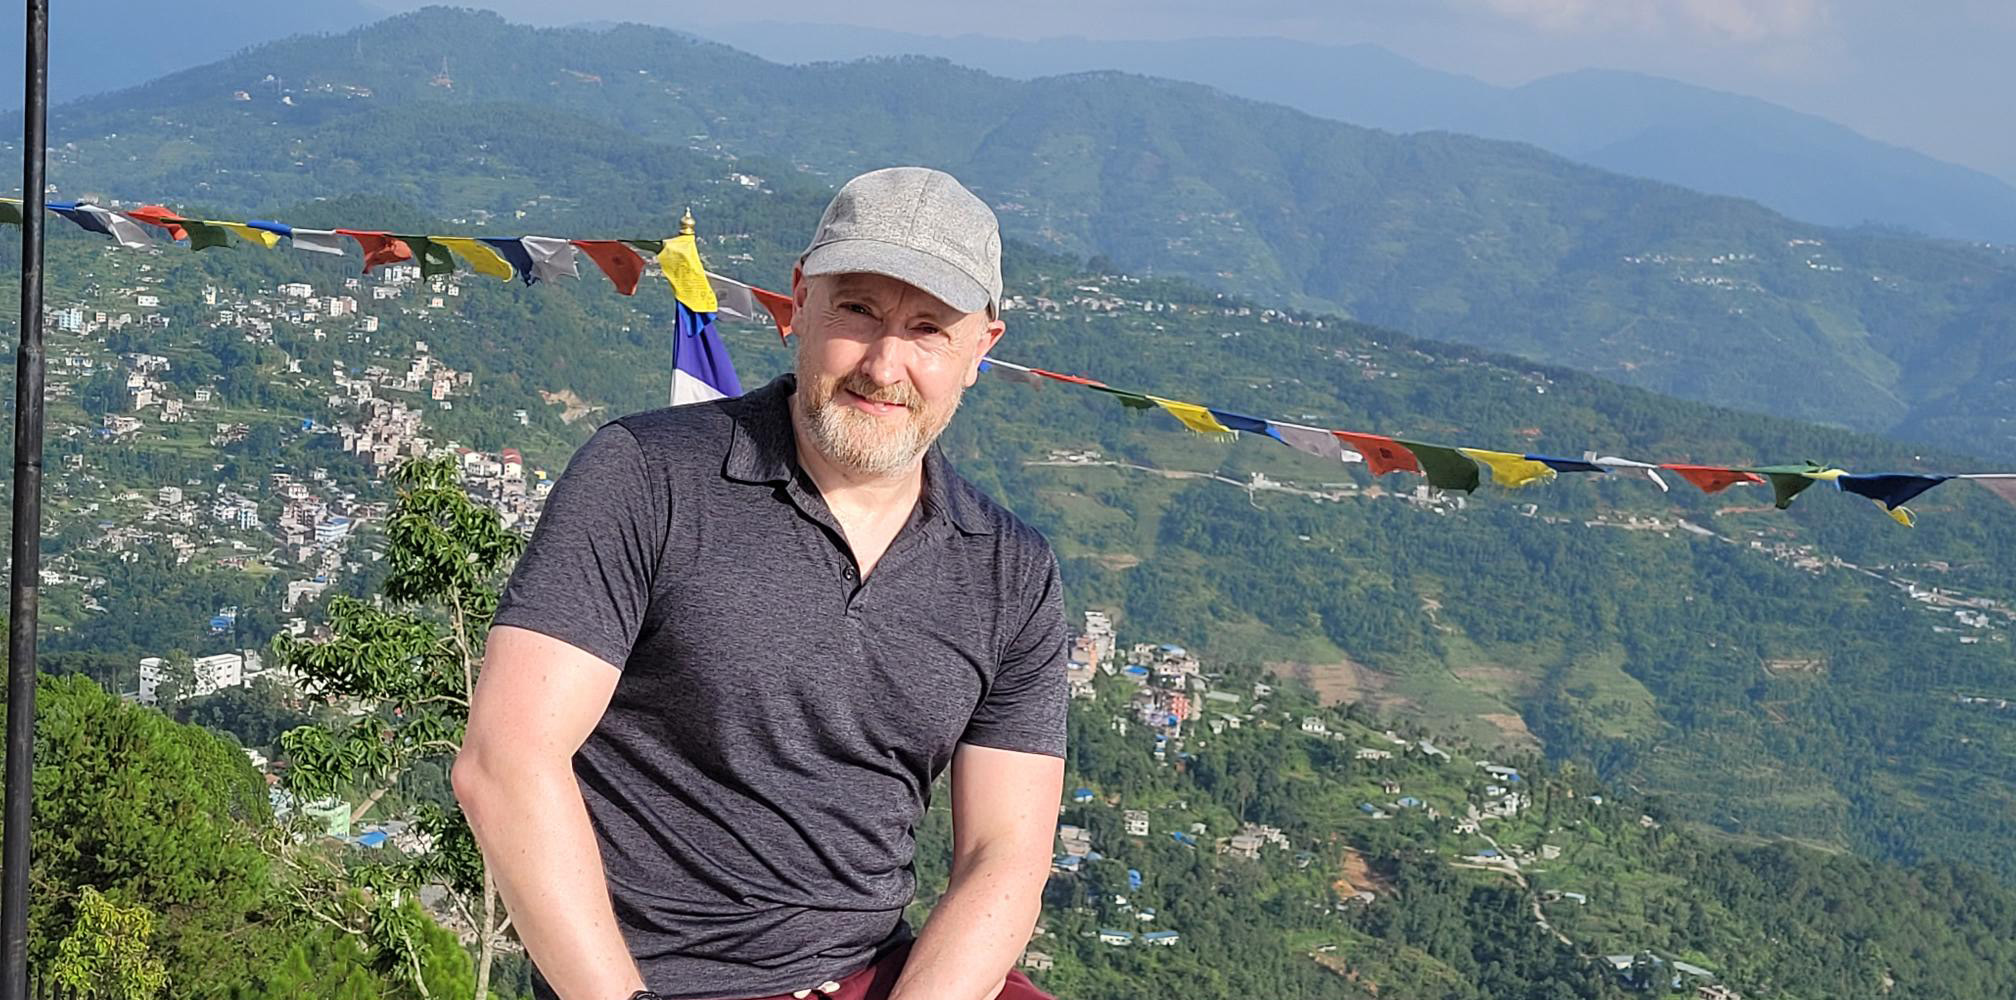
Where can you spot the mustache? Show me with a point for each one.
(901, 393)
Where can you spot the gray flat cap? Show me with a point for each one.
(917, 225)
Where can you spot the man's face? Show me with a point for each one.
(881, 367)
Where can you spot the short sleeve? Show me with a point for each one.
(1024, 707)
(585, 578)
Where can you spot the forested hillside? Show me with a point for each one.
(1377, 887)
(1332, 897)
(1438, 235)
(1810, 707)
(1768, 671)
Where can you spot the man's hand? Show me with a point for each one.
(1004, 818)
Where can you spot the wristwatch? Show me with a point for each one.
(645, 995)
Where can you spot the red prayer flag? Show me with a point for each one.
(780, 306)
(1382, 454)
(379, 248)
(1713, 479)
(1074, 379)
(158, 216)
(619, 262)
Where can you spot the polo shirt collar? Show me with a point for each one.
(763, 449)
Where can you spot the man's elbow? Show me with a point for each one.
(474, 783)
(465, 777)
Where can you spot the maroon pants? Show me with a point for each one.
(875, 982)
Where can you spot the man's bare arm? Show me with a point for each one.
(535, 703)
(1004, 818)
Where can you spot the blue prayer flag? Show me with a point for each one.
(1892, 489)
(701, 369)
(515, 254)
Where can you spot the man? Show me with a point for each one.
(749, 633)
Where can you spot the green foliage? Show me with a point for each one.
(255, 713)
(413, 658)
(150, 813)
(106, 956)
(1778, 920)
(154, 849)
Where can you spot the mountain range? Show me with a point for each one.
(1496, 244)
(1734, 670)
(1802, 165)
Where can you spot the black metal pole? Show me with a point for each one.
(25, 566)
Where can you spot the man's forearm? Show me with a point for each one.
(536, 838)
(977, 931)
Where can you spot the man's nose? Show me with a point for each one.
(885, 359)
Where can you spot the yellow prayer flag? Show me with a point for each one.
(481, 258)
(1193, 416)
(680, 260)
(1509, 470)
(1900, 514)
(262, 237)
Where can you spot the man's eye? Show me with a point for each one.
(856, 307)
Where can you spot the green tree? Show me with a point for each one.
(106, 956)
(178, 678)
(413, 657)
(150, 813)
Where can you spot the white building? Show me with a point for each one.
(212, 674)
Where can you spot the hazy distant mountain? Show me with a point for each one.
(1799, 164)
(99, 45)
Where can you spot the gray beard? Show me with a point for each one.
(858, 442)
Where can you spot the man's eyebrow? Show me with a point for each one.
(848, 284)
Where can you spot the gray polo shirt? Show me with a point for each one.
(772, 741)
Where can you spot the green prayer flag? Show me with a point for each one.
(10, 212)
(1446, 468)
(1786, 485)
(1131, 400)
(203, 236)
(433, 257)
(1788, 481)
(651, 248)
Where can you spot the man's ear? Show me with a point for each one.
(988, 338)
(799, 287)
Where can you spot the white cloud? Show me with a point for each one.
(1739, 21)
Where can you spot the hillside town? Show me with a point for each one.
(307, 522)
(1173, 706)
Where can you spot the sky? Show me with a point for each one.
(1934, 75)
